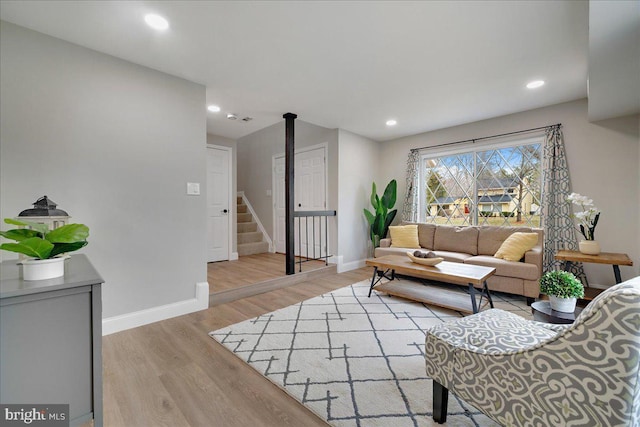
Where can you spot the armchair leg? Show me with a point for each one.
(440, 401)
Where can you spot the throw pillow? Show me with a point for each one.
(404, 236)
(514, 247)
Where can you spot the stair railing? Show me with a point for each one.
(309, 231)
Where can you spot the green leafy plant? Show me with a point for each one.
(382, 217)
(41, 243)
(561, 284)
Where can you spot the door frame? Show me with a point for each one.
(325, 147)
(232, 211)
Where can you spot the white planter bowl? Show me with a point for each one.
(589, 247)
(42, 269)
(563, 305)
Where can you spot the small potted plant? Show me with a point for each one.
(587, 221)
(563, 289)
(45, 248)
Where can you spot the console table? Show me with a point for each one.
(614, 259)
(51, 339)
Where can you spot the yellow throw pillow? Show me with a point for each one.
(516, 245)
(404, 236)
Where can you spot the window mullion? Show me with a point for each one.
(422, 189)
(474, 207)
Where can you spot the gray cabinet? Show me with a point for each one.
(51, 339)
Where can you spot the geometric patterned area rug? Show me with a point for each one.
(353, 360)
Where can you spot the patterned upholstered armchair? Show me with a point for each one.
(525, 373)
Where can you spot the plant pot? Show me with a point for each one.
(589, 247)
(42, 269)
(563, 305)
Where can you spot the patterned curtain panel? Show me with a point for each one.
(410, 207)
(559, 227)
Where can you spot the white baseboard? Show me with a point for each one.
(234, 256)
(123, 322)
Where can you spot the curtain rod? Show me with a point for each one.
(487, 137)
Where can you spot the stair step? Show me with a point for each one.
(252, 248)
(241, 209)
(238, 200)
(251, 237)
(245, 217)
(247, 227)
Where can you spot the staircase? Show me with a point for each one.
(250, 239)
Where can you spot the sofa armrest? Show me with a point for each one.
(385, 243)
(534, 256)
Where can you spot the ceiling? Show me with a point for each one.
(342, 64)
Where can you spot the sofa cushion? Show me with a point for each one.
(490, 237)
(404, 236)
(452, 256)
(425, 234)
(516, 245)
(456, 239)
(506, 268)
(380, 251)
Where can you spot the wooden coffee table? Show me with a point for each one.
(473, 276)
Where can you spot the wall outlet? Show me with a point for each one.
(193, 188)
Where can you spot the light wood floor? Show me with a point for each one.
(171, 373)
(250, 269)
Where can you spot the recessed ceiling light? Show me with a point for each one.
(213, 108)
(534, 84)
(156, 22)
(391, 123)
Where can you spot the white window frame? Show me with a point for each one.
(464, 149)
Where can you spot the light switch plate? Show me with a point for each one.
(193, 188)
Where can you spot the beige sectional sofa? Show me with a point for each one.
(477, 245)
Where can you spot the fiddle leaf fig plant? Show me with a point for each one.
(382, 217)
(41, 243)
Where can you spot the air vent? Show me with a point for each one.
(247, 119)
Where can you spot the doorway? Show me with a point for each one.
(218, 203)
(310, 194)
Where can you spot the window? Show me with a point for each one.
(484, 185)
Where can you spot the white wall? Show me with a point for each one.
(255, 154)
(228, 142)
(603, 164)
(614, 59)
(359, 165)
(114, 144)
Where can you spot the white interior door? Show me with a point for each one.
(218, 166)
(310, 194)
